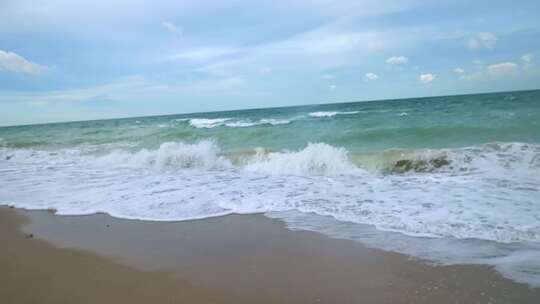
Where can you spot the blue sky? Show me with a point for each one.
(66, 60)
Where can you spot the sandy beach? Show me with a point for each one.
(231, 259)
(215, 152)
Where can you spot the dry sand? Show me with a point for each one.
(231, 259)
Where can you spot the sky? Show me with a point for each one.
(63, 60)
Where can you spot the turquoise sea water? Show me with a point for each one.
(459, 175)
(437, 122)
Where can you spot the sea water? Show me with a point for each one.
(447, 179)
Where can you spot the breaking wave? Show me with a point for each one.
(331, 113)
(487, 192)
(171, 155)
(207, 123)
(264, 121)
(315, 159)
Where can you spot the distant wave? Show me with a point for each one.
(264, 121)
(208, 123)
(331, 113)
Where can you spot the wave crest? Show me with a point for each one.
(201, 155)
(331, 113)
(264, 121)
(315, 159)
(207, 123)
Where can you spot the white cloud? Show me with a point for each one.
(323, 41)
(527, 57)
(12, 62)
(204, 54)
(323, 48)
(328, 76)
(376, 45)
(332, 87)
(397, 60)
(484, 40)
(37, 103)
(129, 89)
(171, 27)
(472, 77)
(493, 71)
(502, 69)
(354, 7)
(458, 70)
(427, 78)
(371, 76)
(527, 60)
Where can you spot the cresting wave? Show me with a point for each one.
(314, 159)
(454, 194)
(208, 123)
(331, 113)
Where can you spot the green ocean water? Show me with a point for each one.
(362, 127)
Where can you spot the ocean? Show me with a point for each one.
(448, 180)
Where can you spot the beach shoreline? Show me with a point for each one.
(235, 258)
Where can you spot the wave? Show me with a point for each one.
(264, 121)
(170, 155)
(487, 192)
(497, 158)
(208, 123)
(331, 113)
(402, 161)
(315, 159)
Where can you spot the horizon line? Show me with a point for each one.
(265, 108)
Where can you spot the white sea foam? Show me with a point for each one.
(315, 159)
(233, 123)
(170, 155)
(331, 113)
(264, 121)
(207, 122)
(488, 193)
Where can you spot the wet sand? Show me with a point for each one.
(231, 259)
